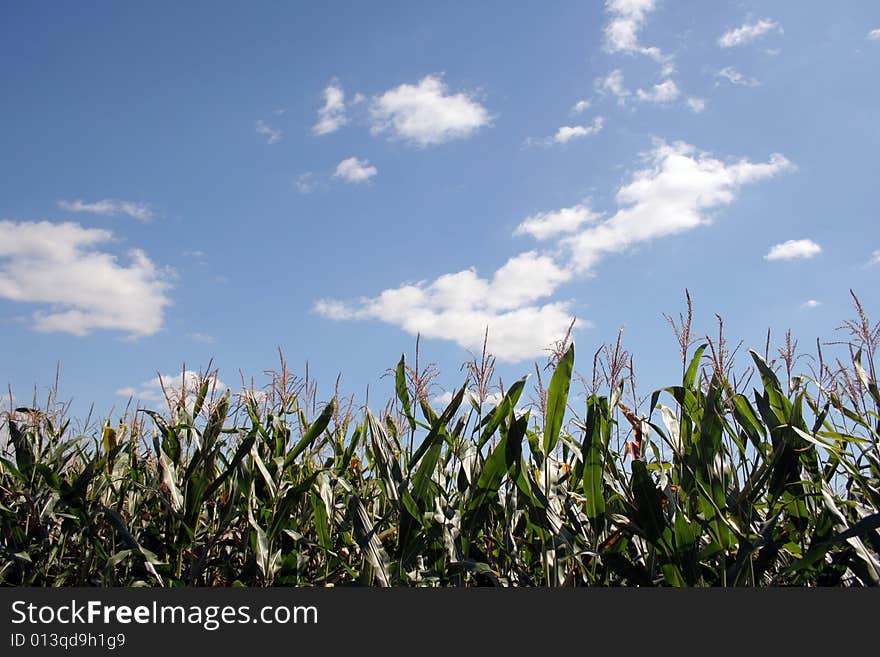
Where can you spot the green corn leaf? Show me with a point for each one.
(403, 393)
(594, 451)
(690, 375)
(200, 397)
(438, 426)
(243, 449)
(500, 413)
(557, 400)
(322, 525)
(368, 541)
(311, 435)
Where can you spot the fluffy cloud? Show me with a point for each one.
(735, 77)
(353, 170)
(672, 194)
(793, 250)
(875, 258)
(84, 288)
(331, 116)
(748, 32)
(874, 35)
(580, 107)
(628, 17)
(696, 105)
(109, 207)
(424, 114)
(545, 225)
(613, 84)
(568, 132)
(809, 304)
(662, 93)
(459, 307)
(272, 135)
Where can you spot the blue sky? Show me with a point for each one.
(218, 180)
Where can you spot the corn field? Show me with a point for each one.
(766, 476)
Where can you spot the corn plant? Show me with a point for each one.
(711, 486)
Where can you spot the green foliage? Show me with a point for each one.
(721, 488)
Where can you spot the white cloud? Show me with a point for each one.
(425, 114)
(60, 265)
(664, 92)
(202, 337)
(748, 32)
(272, 135)
(628, 17)
(459, 307)
(336, 310)
(353, 170)
(580, 107)
(809, 304)
(793, 249)
(568, 132)
(305, 183)
(875, 258)
(331, 116)
(442, 400)
(108, 207)
(672, 194)
(874, 35)
(613, 83)
(188, 382)
(667, 69)
(545, 225)
(735, 77)
(696, 105)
